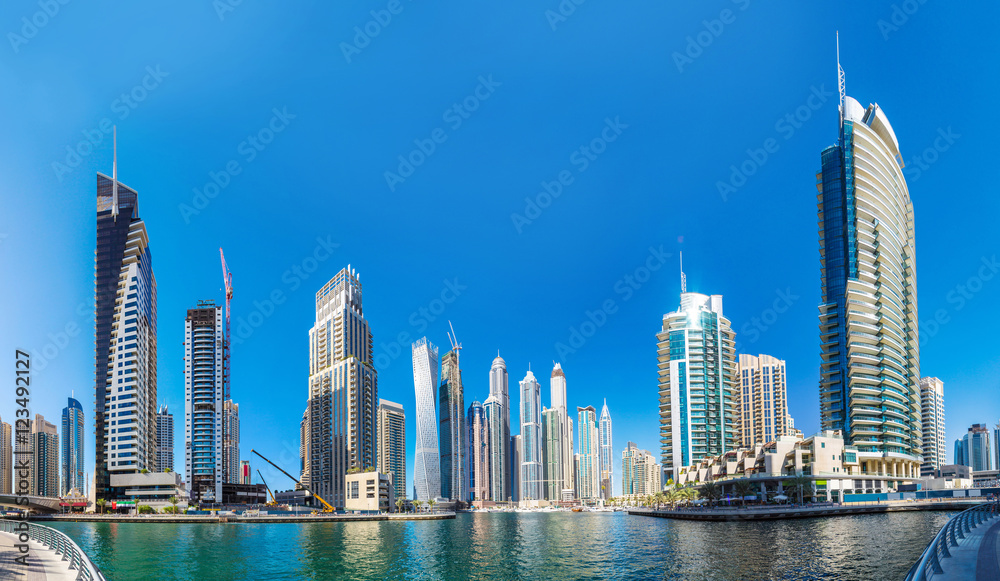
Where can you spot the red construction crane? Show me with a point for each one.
(227, 277)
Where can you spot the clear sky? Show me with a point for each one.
(640, 108)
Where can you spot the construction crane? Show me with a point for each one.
(227, 278)
(455, 345)
(266, 487)
(328, 507)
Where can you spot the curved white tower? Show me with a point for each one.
(426, 466)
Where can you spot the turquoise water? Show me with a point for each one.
(498, 546)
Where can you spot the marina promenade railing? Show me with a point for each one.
(57, 542)
(949, 536)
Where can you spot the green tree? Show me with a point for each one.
(101, 503)
(417, 504)
(800, 486)
(744, 488)
(431, 503)
(145, 509)
(399, 505)
(711, 491)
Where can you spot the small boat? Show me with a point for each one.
(577, 509)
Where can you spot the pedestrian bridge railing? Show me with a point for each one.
(949, 536)
(57, 542)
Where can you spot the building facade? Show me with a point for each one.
(497, 407)
(392, 445)
(343, 389)
(6, 459)
(204, 334)
(368, 491)
(72, 448)
(124, 339)
(230, 441)
(868, 316)
(552, 454)
(975, 449)
(516, 477)
(699, 392)
(45, 458)
(246, 477)
(478, 453)
(164, 439)
(426, 464)
(932, 424)
(564, 482)
(763, 399)
(532, 479)
(453, 431)
(588, 475)
(641, 473)
(607, 452)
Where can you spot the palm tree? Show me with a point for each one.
(743, 489)
(101, 503)
(711, 491)
(800, 485)
(417, 504)
(431, 503)
(399, 505)
(173, 502)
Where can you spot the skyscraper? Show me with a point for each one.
(699, 393)
(557, 384)
(230, 441)
(72, 448)
(763, 399)
(531, 439)
(479, 453)
(932, 424)
(640, 472)
(6, 459)
(516, 476)
(961, 457)
(124, 339)
(45, 458)
(606, 460)
(588, 476)
(552, 454)
(453, 431)
(343, 389)
(204, 333)
(164, 439)
(976, 451)
(497, 407)
(426, 463)
(304, 445)
(868, 314)
(392, 445)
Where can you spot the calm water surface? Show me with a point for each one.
(498, 546)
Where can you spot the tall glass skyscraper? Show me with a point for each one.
(607, 465)
(426, 464)
(531, 439)
(124, 339)
(230, 441)
(453, 431)
(932, 414)
(392, 445)
(566, 472)
(343, 389)
(6, 458)
(72, 448)
(204, 333)
(870, 358)
(479, 452)
(588, 477)
(497, 408)
(552, 453)
(164, 439)
(699, 394)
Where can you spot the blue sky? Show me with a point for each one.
(641, 109)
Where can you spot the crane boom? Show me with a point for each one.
(266, 487)
(329, 508)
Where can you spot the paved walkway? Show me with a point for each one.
(988, 559)
(43, 564)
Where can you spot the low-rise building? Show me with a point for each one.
(369, 491)
(153, 488)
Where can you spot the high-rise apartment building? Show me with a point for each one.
(531, 439)
(44, 458)
(426, 463)
(516, 476)
(230, 441)
(932, 424)
(497, 407)
(588, 476)
(6, 459)
(124, 339)
(453, 431)
(164, 439)
(72, 448)
(640, 473)
(304, 444)
(392, 445)
(975, 449)
(343, 389)
(563, 473)
(552, 454)
(607, 452)
(478, 453)
(763, 399)
(868, 314)
(699, 392)
(204, 333)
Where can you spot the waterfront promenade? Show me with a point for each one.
(43, 563)
(781, 512)
(277, 519)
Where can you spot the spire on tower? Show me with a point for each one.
(684, 283)
(841, 80)
(114, 177)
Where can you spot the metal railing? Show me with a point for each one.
(949, 536)
(57, 542)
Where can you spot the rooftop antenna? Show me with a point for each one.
(841, 80)
(114, 178)
(684, 280)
